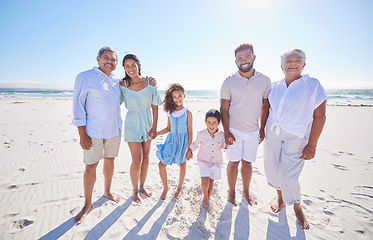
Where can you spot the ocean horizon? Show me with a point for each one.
(336, 96)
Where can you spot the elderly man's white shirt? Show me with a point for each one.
(96, 104)
(292, 107)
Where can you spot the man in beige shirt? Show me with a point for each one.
(244, 100)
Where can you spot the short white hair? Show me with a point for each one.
(106, 48)
(288, 52)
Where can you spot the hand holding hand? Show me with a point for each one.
(229, 138)
(261, 136)
(189, 154)
(152, 133)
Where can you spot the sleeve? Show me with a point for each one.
(320, 95)
(79, 102)
(225, 91)
(268, 88)
(156, 99)
(195, 145)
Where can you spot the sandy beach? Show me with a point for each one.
(42, 171)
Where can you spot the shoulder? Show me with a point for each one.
(312, 81)
(263, 78)
(189, 113)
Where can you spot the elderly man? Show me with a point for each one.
(97, 116)
(244, 100)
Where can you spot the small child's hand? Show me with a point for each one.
(189, 154)
(152, 133)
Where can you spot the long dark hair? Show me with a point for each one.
(168, 102)
(134, 58)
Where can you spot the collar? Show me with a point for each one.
(303, 78)
(208, 133)
(238, 76)
(99, 72)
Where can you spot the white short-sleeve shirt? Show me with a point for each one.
(246, 99)
(292, 107)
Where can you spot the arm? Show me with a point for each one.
(319, 116)
(189, 153)
(153, 131)
(166, 129)
(224, 111)
(263, 119)
(85, 140)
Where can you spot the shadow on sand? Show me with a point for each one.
(198, 230)
(66, 226)
(280, 230)
(156, 228)
(99, 230)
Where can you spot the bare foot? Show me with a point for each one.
(232, 198)
(145, 192)
(136, 197)
(205, 201)
(112, 196)
(177, 193)
(277, 205)
(301, 218)
(164, 193)
(82, 214)
(250, 198)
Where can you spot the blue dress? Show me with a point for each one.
(138, 118)
(175, 146)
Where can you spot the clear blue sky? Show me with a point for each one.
(47, 43)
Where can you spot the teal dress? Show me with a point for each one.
(175, 146)
(138, 119)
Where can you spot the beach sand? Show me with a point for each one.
(42, 190)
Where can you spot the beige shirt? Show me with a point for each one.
(246, 99)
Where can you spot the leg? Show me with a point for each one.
(108, 175)
(211, 186)
(246, 173)
(301, 218)
(89, 180)
(278, 203)
(136, 153)
(181, 179)
(205, 185)
(144, 167)
(232, 172)
(163, 174)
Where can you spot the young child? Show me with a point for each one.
(210, 142)
(178, 140)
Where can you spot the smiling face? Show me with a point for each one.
(293, 66)
(107, 62)
(178, 98)
(245, 60)
(212, 125)
(131, 68)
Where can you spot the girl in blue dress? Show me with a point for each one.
(180, 136)
(140, 125)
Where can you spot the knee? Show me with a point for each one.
(246, 163)
(89, 169)
(161, 165)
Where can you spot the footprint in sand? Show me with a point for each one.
(307, 202)
(340, 167)
(22, 223)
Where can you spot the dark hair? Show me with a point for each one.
(213, 113)
(134, 58)
(168, 102)
(243, 47)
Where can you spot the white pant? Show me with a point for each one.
(282, 163)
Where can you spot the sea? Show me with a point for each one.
(336, 96)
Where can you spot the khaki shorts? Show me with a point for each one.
(101, 148)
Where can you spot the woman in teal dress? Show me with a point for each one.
(140, 125)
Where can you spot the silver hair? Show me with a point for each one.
(103, 49)
(288, 52)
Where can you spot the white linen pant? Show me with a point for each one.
(282, 163)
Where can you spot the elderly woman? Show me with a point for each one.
(295, 122)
